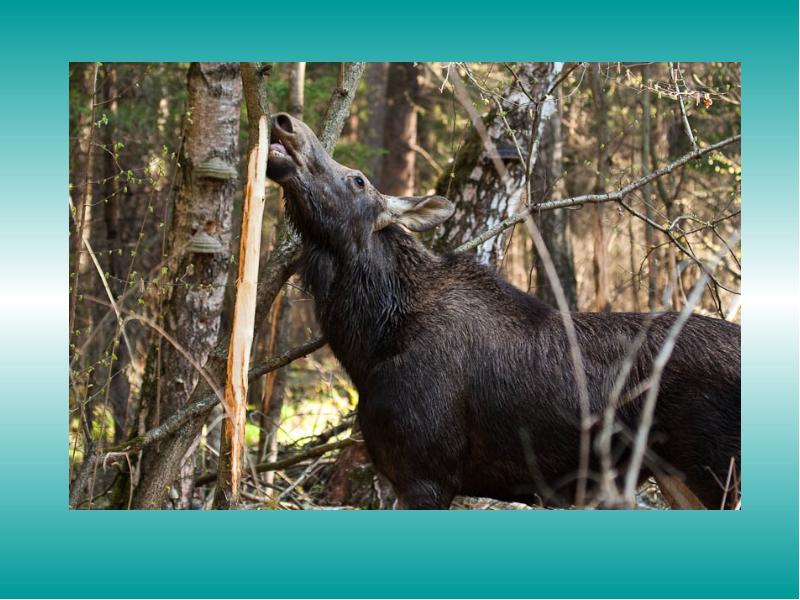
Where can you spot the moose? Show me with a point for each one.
(466, 385)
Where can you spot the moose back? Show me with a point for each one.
(466, 383)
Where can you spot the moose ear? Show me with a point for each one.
(418, 213)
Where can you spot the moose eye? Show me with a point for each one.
(359, 180)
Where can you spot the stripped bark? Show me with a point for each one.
(275, 271)
(227, 495)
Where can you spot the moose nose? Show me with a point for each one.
(283, 122)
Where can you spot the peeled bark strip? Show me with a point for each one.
(275, 271)
(243, 320)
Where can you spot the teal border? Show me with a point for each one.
(47, 551)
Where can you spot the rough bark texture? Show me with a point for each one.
(482, 196)
(274, 272)
(192, 313)
(400, 130)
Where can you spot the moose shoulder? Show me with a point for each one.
(466, 383)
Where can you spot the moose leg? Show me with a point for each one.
(424, 495)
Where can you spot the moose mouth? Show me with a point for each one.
(278, 150)
(282, 163)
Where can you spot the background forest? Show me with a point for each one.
(158, 165)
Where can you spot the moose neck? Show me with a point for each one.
(364, 293)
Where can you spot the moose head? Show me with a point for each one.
(330, 203)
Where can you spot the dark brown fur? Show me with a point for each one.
(466, 383)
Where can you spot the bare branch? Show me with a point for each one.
(673, 69)
(198, 408)
(285, 463)
(660, 361)
(594, 198)
(339, 106)
(280, 265)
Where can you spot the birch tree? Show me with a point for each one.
(200, 241)
(516, 144)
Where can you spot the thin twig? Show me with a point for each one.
(285, 463)
(593, 198)
(86, 191)
(660, 362)
(675, 68)
(173, 423)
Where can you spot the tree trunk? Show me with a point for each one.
(599, 258)
(377, 75)
(297, 83)
(83, 159)
(274, 272)
(397, 178)
(483, 197)
(274, 386)
(203, 210)
(652, 267)
(243, 323)
(553, 224)
(116, 375)
(400, 130)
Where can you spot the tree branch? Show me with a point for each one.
(285, 463)
(198, 408)
(339, 105)
(593, 198)
(673, 69)
(280, 265)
